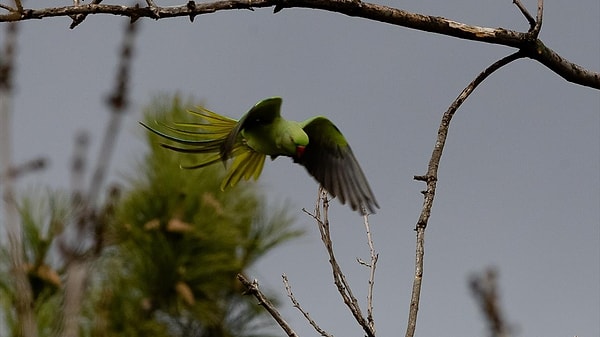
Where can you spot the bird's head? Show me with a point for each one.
(295, 140)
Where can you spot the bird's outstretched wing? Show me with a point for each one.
(329, 158)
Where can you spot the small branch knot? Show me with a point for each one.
(279, 6)
(426, 178)
(191, 6)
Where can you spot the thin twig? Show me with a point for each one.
(8, 8)
(374, 257)
(78, 165)
(18, 171)
(539, 17)
(525, 13)
(18, 5)
(485, 290)
(296, 304)
(535, 24)
(431, 179)
(252, 289)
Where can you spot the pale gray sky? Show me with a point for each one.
(519, 182)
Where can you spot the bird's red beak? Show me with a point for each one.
(299, 151)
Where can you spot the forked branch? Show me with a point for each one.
(321, 217)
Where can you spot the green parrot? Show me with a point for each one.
(317, 144)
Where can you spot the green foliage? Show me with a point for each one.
(43, 215)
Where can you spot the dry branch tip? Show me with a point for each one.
(296, 304)
(484, 287)
(252, 289)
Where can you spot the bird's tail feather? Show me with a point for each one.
(202, 149)
(213, 118)
(202, 130)
(208, 160)
(208, 137)
(182, 141)
(197, 137)
(246, 164)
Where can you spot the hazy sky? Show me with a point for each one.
(519, 182)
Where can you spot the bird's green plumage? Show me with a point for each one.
(316, 143)
(323, 130)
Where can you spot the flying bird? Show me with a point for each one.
(316, 143)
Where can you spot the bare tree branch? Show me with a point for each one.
(431, 179)
(527, 42)
(297, 305)
(252, 289)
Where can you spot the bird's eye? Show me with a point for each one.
(259, 121)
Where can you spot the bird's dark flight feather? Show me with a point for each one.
(330, 160)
